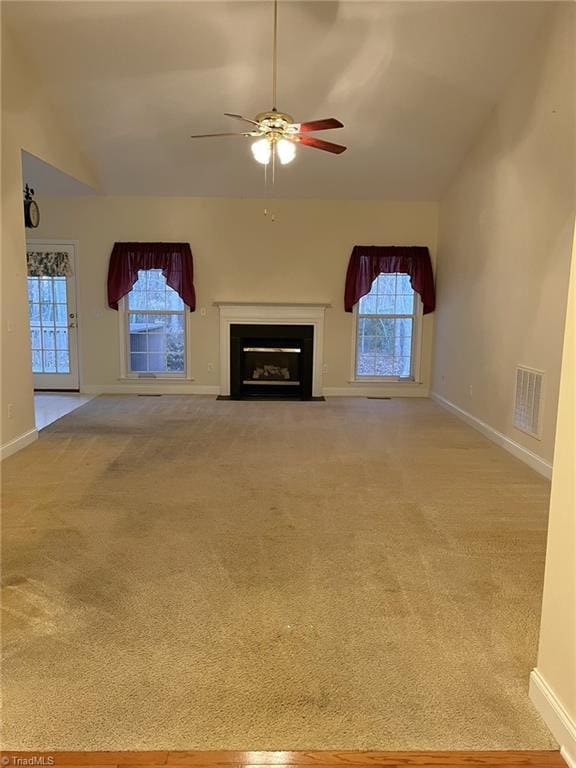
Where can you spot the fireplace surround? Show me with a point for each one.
(271, 318)
(271, 361)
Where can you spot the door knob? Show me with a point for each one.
(72, 325)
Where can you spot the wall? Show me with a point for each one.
(27, 123)
(553, 683)
(239, 254)
(505, 237)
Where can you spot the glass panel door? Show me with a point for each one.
(53, 327)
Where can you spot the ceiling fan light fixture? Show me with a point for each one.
(286, 151)
(262, 151)
(275, 132)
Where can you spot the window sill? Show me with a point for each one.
(153, 380)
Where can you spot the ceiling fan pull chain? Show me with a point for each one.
(266, 211)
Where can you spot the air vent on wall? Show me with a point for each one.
(528, 400)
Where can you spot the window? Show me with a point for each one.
(48, 305)
(156, 327)
(386, 329)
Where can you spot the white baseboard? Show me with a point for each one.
(137, 387)
(18, 443)
(535, 462)
(380, 390)
(555, 716)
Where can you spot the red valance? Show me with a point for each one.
(368, 261)
(174, 259)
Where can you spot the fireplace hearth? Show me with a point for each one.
(271, 362)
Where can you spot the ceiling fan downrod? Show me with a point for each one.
(275, 56)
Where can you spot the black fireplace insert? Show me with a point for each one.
(271, 362)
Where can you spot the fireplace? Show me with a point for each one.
(272, 316)
(271, 361)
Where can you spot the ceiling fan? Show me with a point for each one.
(275, 132)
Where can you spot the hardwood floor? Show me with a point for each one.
(543, 759)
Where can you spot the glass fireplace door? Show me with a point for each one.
(271, 366)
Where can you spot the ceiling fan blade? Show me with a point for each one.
(240, 117)
(212, 135)
(320, 125)
(327, 146)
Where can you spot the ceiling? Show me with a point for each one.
(411, 81)
(47, 180)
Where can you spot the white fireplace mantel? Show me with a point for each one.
(267, 313)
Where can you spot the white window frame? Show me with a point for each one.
(416, 347)
(125, 372)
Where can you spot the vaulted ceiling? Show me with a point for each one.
(413, 83)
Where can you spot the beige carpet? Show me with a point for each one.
(186, 573)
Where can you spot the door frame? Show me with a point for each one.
(76, 245)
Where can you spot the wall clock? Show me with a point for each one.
(31, 210)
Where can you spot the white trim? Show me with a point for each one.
(378, 389)
(140, 387)
(52, 241)
(325, 304)
(417, 340)
(568, 758)
(267, 314)
(123, 342)
(12, 446)
(519, 451)
(555, 716)
(179, 387)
